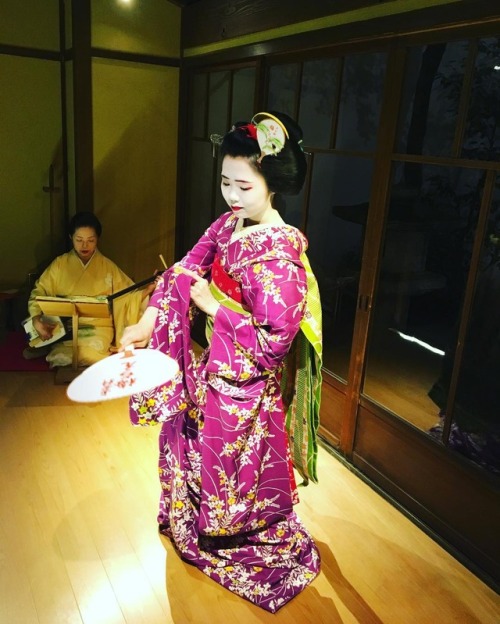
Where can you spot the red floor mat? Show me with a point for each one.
(11, 354)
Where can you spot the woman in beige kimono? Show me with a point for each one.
(84, 271)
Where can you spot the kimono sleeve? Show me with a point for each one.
(245, 346)
(200, 259)
(46, 285)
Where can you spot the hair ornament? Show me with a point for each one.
(216, 140)
(250, 130)
(271, 134)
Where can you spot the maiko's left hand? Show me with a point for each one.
(200, 293)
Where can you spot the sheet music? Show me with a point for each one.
(34, 336)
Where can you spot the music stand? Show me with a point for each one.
(75, 308)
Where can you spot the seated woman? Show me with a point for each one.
(84, 271)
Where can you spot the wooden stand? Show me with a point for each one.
(74, 308)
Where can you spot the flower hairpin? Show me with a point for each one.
(216, 140)
(250, 130)
(271, 134)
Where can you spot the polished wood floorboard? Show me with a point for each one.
(78, 538)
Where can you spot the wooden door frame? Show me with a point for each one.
(426, 480)
(372, 250)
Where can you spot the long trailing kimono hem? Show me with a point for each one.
(227, 492)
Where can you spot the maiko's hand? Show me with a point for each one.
(200, 293)
(134, 335)
(139, 334)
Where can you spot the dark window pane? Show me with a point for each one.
(218, 98)
(243, 95)
(360, 99)
(426, 256)
(291, 209)
(220, 203)
(431, 94)
(198, 104)
(475, 430)
(199, 195)
(482, 138)
(283, 85)
(317, 99)
(336, 222)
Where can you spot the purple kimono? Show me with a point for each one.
(227, 485)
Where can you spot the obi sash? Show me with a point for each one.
(228, 286)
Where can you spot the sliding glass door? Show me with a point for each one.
(401, 208)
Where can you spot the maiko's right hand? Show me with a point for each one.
(134, 335)
(139, 334)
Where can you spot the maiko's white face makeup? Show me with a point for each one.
(244, 189)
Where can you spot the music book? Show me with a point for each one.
(34, 336)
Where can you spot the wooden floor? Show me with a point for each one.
(78, 538)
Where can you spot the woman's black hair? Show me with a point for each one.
(84, 219)
(284, 172)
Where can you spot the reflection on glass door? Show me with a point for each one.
(426, 254)
(424, 307)
(475, 426)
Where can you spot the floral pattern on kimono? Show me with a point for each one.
(227, 497)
